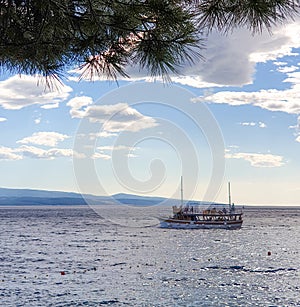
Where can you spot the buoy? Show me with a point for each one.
(62, 273)
(269, 253)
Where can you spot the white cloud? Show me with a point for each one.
(257, 159)
(3, 119)
(78, 106)
(279, 44)
(114, 118)
(7, 153)
(297, 129)
(131, 155)
(277, 63)
(102, 134)
(105, 152)
(118, 147)
(287, 69)
(196, 81)
(273, 100)
(18, 92)
(50, 106)
(252, 124)
(95, 135)
(119, 117)
(33, 152)
(50, 154)
(248, 124)
(101, 155)
(234, 147)
(50, 139)
(262, 125)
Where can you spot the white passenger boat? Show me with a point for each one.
(214, 216)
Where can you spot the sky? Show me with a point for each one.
(233, 116)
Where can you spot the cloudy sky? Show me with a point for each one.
(232, 117)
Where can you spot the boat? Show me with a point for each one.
(204, 215)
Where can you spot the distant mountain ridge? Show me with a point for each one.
(6, 192)
(27, 197)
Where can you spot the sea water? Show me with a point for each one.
(71, 256)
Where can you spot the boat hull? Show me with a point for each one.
(182, 224)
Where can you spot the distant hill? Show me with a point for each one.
(27, 197)
(135, 200)
(19, 197)
(5, 192)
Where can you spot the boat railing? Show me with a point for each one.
(214, 214)
(199, 211)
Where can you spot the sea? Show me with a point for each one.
(74, 256)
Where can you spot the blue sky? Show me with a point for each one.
(232, 117)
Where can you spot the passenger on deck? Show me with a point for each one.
(232, 208)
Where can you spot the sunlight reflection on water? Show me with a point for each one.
(68, 256)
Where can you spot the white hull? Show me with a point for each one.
(179, 224)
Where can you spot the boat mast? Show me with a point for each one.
(229, 194)
(181, 191)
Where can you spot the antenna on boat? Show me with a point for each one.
(229, 194)
(181, 191)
